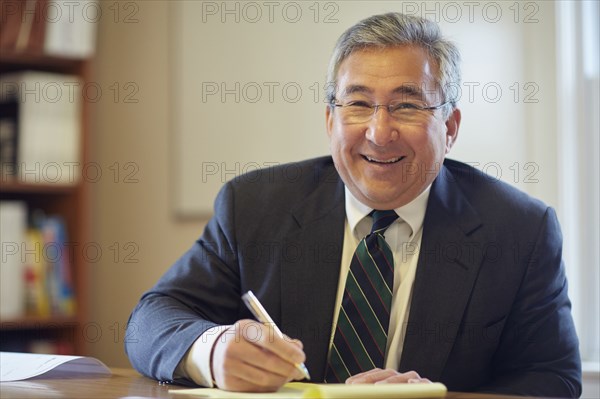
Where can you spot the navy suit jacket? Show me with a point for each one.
(489, 311)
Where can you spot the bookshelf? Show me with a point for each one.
(55, 333)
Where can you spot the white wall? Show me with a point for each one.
(247, 87)
(131, 208)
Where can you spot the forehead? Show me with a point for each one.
(403, 69)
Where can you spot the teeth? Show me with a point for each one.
(381, 161)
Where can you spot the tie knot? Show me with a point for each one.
(382, 220)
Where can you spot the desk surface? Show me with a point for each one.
(122, 383)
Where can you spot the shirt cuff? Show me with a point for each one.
(195, 365)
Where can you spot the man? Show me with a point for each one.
(477, 296)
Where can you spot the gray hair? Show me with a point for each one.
(395, 29)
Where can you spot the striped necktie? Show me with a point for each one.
(360, 337)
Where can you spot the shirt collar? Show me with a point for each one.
(412, 213)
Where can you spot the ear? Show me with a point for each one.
(328, 120)
(452, 125)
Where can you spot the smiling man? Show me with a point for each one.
(385, 262)
(387, 159)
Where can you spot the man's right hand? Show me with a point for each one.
(250, 357)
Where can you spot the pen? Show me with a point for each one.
(261, 315)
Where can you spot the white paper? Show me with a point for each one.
(21, 366)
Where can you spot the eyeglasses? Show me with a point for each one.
(408, 113)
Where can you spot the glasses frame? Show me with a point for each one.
(375, 108)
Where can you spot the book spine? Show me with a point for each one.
(13, 222)
(8, 142)
(59, 266)
(37, 297)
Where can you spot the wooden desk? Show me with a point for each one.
(123, 383)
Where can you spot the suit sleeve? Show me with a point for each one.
(539, 350)
(200, 291)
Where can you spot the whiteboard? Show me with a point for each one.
(247, 79)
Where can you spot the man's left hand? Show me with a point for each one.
(387, 376)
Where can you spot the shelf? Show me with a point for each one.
(11, 60)
(68, 200)
(32, 188)
(34, 322)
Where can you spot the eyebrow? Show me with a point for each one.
(409, 90)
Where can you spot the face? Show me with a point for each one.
(383, 162)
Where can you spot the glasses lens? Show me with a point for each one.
(408, 114)
(357, 113)
(405, 113)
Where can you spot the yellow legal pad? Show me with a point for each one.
(327, 391)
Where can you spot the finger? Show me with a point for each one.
(236, 372)
(275, 364)
(377, 376)
(365, 373)
(260, 378)
(236, 384)
(420, 381)
(265, 336)
(402, 378)
(371, 376)
(294, 341)
(297, 376)
(259, 358)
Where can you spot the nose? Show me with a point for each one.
(381, 129)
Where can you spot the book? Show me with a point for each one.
(74, 35)
(48, 125)
(58, 28)
(37, 300)
(36, 275)
(328, 391)
(11, 15)
(48, 275)
(58, 265)
(13, 223)
(23, 26)
(27, 20)
(37, 31)
(8, 142)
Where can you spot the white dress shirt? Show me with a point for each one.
(404, 238)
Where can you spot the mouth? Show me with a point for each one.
(383, 161)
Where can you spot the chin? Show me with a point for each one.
(382, 202)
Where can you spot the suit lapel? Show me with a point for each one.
(446, 272)
(310, 270)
